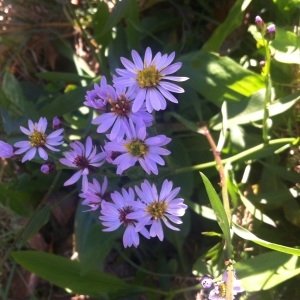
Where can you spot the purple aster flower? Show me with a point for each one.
(219, 288)
(83, 158)
(6, 150)
(97, 98)
(149, 79)
(137, 148)
(154, 208)
(115, 214)
(38, 140)
(119, 107)
(94, 194)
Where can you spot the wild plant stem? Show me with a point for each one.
(268, 84)
(223, 181)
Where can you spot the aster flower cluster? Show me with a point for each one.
(38, 142)
(217, 290)
(123, 114)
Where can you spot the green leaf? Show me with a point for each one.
(204, 211)
(281, 172)
(61, 76)
(132, 20)
(35, 223)
(93, 245)
(256, 212)
(218, 209)
(62, 104)
(66, 273)
(267, 270)
(249, 236)
(251, 110)
(291, 210)
(190, 125)
(14, 93)
(234, 20)
(102, 37)
(219, 78)
(119, 12)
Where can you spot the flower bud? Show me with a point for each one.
(56, 123)
(260, 24)
(270, 32)
(47, 168)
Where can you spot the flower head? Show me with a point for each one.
(218, 289)
(154, 208)
(83, 158)
(38, 140)
(149, 78)
(119, 111)
(138, 148)
(97, 98)
(6, 150)
(115, 214)
(94, 194)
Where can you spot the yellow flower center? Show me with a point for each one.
(137, 148)
(37, 139)
(121, 107)
(148, 77)
(157, 209)
(222, 289)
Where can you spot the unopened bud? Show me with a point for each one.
(262, 63)
(260, 24)
(270, 32)
(47, 168)
(56, 123)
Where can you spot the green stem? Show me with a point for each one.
(268, 84)
(247, 154)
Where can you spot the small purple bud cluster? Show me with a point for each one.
(267, 31)
(124, 115)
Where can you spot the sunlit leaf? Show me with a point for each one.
(249, 236)
(218, 209)
(251, 110)
(234, 20)
(256, 212)
(267, 270)
(219, 78)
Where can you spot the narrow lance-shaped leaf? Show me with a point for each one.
(247, 235)
(66, 273)
(219, 211)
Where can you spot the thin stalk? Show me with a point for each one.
(223, 181)
(242, 155)
(268, 84)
